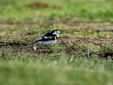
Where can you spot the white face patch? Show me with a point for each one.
(56, 33)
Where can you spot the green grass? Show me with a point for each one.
(68, 64)
(56, 70)
(78, 10)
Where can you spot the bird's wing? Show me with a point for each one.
(44, 38)
(47, 37)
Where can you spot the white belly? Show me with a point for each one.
(48, 42)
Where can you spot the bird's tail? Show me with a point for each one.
(32, 44)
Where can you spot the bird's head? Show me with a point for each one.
(56, 32)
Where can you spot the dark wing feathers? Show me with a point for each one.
(46, 37)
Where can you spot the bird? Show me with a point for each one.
(47, 39)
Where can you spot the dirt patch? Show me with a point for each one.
(91, 26)
(81, 26)
(42, 5)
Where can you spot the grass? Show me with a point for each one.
(82, 11)
(79, 21)
(50, 70)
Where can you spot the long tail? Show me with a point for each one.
(32, 44)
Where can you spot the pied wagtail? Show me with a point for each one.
(48, 39)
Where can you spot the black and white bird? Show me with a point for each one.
(48, 39)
